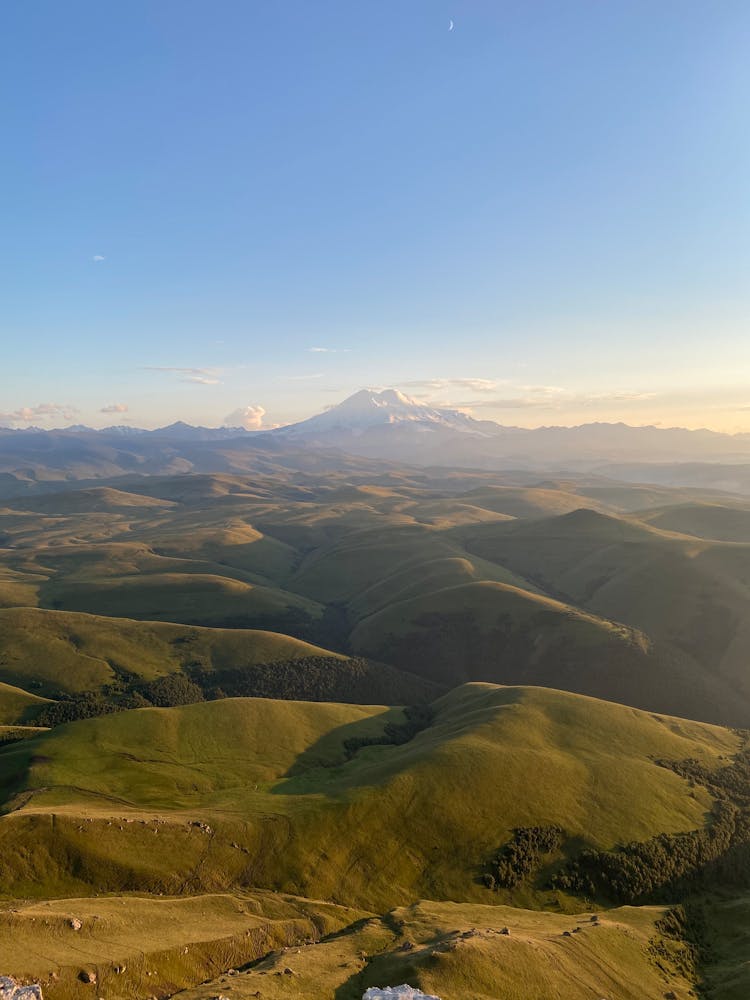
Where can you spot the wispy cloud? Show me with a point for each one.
(249, 417)
(40, 412)
(556, 398)
(301, 378)
(114, 408)
(616, 397)
(98, 257)
(197, 376)
(505, 403)
(442, 384)
(328, 350)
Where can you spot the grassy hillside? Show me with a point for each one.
(137, 946)
(367, 829)
(706, 520)
(17, 706)
(457, 951)
(493, 632)
(80, 652)
(452, 577)
(689, 593)
(726, 927)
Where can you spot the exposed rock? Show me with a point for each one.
(75, 923)
(403, 992)
(87, 976)
(10, 990)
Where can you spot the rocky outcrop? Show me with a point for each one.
(10, 990)
(403, 992)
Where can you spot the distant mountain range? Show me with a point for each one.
(384, 426)
(388, 424)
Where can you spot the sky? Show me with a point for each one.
(228, 210)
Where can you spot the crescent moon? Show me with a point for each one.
(450, 26)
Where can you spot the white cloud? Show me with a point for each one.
(249, 417)
(114, 408)
(98, 257)
(33, 414)
(328, 350)
(196, 376)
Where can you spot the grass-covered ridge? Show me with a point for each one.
(449, 575)
(67, 651)
(494, 759)
(459, 951)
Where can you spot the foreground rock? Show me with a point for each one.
(10, 990)
(396, 993)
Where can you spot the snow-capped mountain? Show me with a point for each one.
(369, 410)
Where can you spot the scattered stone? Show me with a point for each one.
(566, 933)
(120, 969)
(203, 827)
(288, 971)
(87, 976)
(505, 930)
(75, 923)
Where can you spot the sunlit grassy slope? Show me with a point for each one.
(289, 812)
(16, 705)
(66, 651)
(457, 952)
(136, 946)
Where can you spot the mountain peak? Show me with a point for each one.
(369, 399)
(370, 409)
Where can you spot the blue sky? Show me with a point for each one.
(542, 215)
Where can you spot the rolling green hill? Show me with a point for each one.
(263, 772)
(690, 594)
(707, 520)
(17, 706)
(494, 632)
(71, 652)
(454, 579)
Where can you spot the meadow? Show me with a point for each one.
(253, 723)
